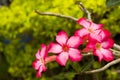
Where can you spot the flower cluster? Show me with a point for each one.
(65, 48)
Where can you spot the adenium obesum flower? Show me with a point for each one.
(41, 60)
(66, 48)
(99, 42)
(102, 49)
(90, 29)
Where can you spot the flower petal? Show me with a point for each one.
(108, 43)
(74, 41)
(36, 64)
(38, 54)
(62, 37)
(107, 55)
(96, 26)
(44, 51)
(41, 69)
(99, 54)
(62, 58)
(95, 35)
(83, 22)
(105, 34)
(75, 55)
(91, 44)
(38, 74)
(54, 48)
(82, 32)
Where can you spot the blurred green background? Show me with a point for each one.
(22, 31)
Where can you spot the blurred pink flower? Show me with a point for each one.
(90, 30)
(39, 63)
(66, 48)
(102, 49)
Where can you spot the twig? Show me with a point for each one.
(103, 68)
(115, 52)
(57, 15)
(116, 46)
(85, 11)
(86, 54)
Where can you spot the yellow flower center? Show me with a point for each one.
(41, 60)
(98, 45)
(90, 30)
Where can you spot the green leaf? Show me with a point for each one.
(63, 76)
(87, 65)
(110, 3)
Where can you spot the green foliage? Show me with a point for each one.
(110, 3)
(112, 75)
(22, 31)
(87, 65)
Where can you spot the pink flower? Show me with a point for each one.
(39, 63)
(102, 49)
(66, 48)
(42, 59)
(90, 30)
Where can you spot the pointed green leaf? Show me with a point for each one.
(87, 66)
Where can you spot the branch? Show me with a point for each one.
(57, 15)
(86, 54)
(103, 68)
(85, 11)
(116, 46)
(115, 52)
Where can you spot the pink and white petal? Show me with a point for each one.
(74, 41)
(98, 31)
(38, 74)
(91, 44)
(44, 51)
(95, 37)
(36, 64)
(96, 26)
(82, 32)
(107, 55)
(108, 43)
(54, 48)
(62, 37)
(75, 55)
(43, 67)
(99, 54)
(100, 26)
(105, 34)
(83, 22)
(62, 58)
(38, 54)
